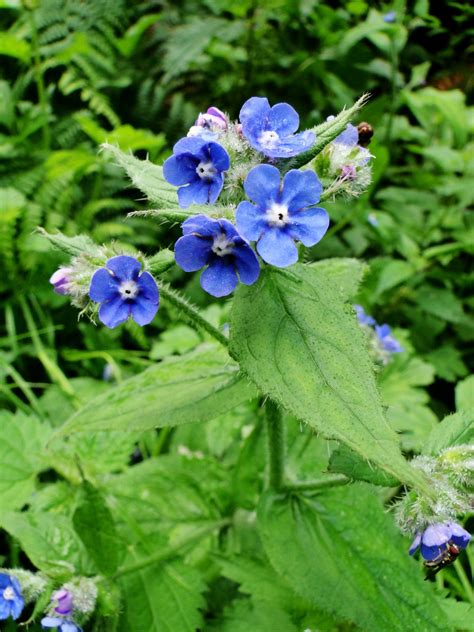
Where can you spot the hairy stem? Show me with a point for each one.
(192, 313)
(331, 480)
(276, 445)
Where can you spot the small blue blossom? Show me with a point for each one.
(215, 243)
(388, 342)
(282, 213)
(390, 17)
(364, 319)
(271, 130)
(11, 599)
(63, 625)
(436, 538)
(197, 168)
(349, 137)
(124, 291)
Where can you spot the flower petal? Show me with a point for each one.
(219, 157)
(253, 115)
(350, 136)
(192, 252)
(229, 230)
(180, 169)
(436, 535)
(201, 225)
(103, 286)
(459, 536)
(290, 145)
(215, 187)
(16, 607)
(195, 193)
(4, 609)
(309, 226)
(277, 248)
(247, 264)
(430, 553)
(250, 221)
(415, 544)
(190, 145)
(148, 288)
(262, 185)
(124, 267)
(220, 278)
(70, 626)
(143, 311)
(283, 119)
(51, 622)
(114, 312)
(300, 189)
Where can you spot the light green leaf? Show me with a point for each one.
(456, 429)
(301, 345)
(22, 440)
(343, 553)
(189, 388)
(460, 614)
(128, 138)
(13, 46)
(244, 615)
(345, 461)
(465, 394)
(344, 274)
(448, 362)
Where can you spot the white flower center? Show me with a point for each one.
(8, 594)
(277, 214)
(222, 246)
(268, 139)
(128, 290)
(206, 170)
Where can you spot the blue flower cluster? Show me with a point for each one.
(383, 333)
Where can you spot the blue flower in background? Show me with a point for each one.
(11, 599)
(197, 168)
(390, 17)
(349, 137)
(388, 342)
(123, 291)
(271, 130)
(281, 214)
(64, 625)
(436, 538)
(215, 243)
(364, 319)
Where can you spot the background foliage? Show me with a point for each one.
(135, 74)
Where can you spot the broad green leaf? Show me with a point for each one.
(190, 388)
(299, 342)
(448, 362)
(13, 46)
(465, 394)
(22, 440)
(125, 136)
(343, 553)
(345, 461)
(456, 429)
(441, 303)
(165, 597)
(95, 526)
(344, 274)
(50, 542)
(460, 614)
(244, 615)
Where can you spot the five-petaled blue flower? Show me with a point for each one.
(123, 291)
(271, 130)
(11, 599)
(436, 538)
(217, 244)
(388, 342)
(61, 624)
(197, 167)
(281, 214)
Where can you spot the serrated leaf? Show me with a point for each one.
(345, 461)
(342, 552)
(465, 394)
(456, 429)
(244, 615)
(22, 440)
(345, 274)
(301, 345)
(190, 388)
(95, 526)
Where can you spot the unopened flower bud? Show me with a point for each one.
(60, 280)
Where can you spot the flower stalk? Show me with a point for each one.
(276, 445)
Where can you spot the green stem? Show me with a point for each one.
(171, 551)
(42, 97)
(192, 313)
(276, 445)
(466, 584)
(331, 480)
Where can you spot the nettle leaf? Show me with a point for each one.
(345, 274)
(345, 461)
(50, 542)
(165, 597)
(465, 394)
(456, 429)
(343, 553)
(190, 388)
(301, 345)
(244, 615)
(22, 440)
(95, 526)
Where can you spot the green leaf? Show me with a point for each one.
(344, 274)
(343, 553)
(125, 136)
(441, 303)
(74, 246)
(448, 362)
(50, 542)
(460, 614)
(456, 429)
(345, 461)
(301, 345)
(189, 388)
(22, 440)
(13, 46)
(95, 526)
(465, 394)
(244, 615)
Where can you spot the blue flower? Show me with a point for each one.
(60, 280)
(11, 599)
(390, 17)
(436, 538)
(388, 342)
(217, 244)
(64, 625)
(364, 319)
(271, 130)
(123, 292)
(281, 214)
(349, 137)
(197, 167)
